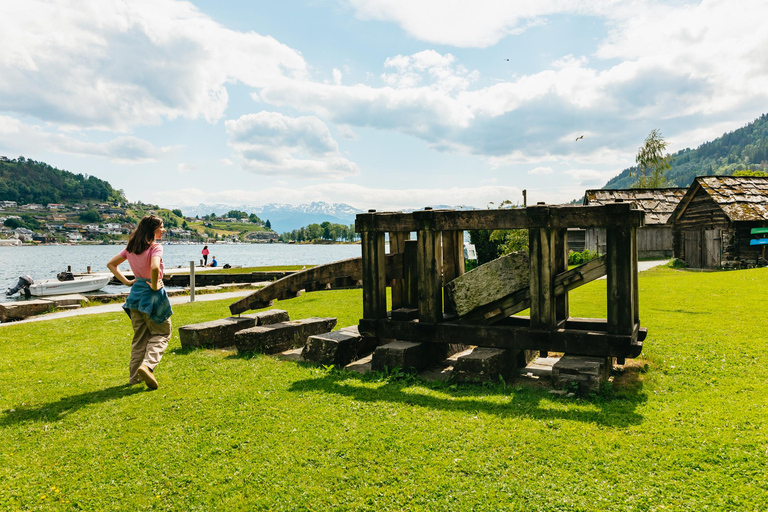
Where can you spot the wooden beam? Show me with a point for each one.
(581, 275)
(429, 264)
(397, 246)
(622, 278)
(374, 276)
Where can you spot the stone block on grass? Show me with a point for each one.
(214, 334)
(271, 316)
(273, 338)
(485, 364)
(20, 310)
(338, 348)
(584, 373)
(408, 355)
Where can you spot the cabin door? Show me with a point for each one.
(692, 248)
(711, 248)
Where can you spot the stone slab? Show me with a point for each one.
(585, 373)
(338, 348)
(485, 364)
(214, 334)
(20, 310)
(488, 283)
(407, 355)
(281, 336)
(271, 316)
(69, 300)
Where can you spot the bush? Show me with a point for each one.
(677, 263)
(579, 258)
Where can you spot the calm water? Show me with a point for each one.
(44, 262)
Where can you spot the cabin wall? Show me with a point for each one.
(653, 241)
(703, 235)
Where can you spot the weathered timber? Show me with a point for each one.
(401, 354)
(488, 283)
(586, 373)
(399, 292)
(574, 340)
(429, 263)
(581, 275)
(338, 348)
(519, 218)
(278, 337)
(270, 316)
(497, 310)
(215, 333)
(410, 281)
(341, 272)
(374, 275)
(20, 310)
(622, 275)
(485, 364)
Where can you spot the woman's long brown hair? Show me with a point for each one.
(144, 234)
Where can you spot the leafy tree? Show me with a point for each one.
(236, 214)
(13, 223)
(90, 215)
(268, 224)
(177, 212)
(652, 161)
(755, 174)
(254, 218)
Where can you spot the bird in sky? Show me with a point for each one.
(579, 137)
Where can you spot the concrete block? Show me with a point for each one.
(271, 316)
(216, 333)
(485, 364)
(20, 310)
(69, 300)
(281, 336)
(338, 348)
(403, 354)
(586, 373)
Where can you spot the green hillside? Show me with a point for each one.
(27, 181)
(742, 149)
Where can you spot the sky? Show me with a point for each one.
(379, 104)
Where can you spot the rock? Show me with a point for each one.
(281, 336)
(485, 364)
(271, 316)
(20, 310)
(401, 354)
(216, 333)
(585, 372)
(68, 300)
(494, 280)
(338, 348)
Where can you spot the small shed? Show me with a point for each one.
(654, 239)
(713, 222)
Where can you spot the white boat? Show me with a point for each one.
(10, 242)
(78, 284)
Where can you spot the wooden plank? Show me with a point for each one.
(429, 263)
(397, 246)
(621, 279)
(498, 310)
(559, 265)
(374, 275)
(581, 275)
(541, 280)
(572, 341)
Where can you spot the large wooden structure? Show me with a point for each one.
(712, 224)
(435, 257)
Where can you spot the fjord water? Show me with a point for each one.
(44, 262)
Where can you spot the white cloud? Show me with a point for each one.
(119, 64)
(541, 170)
(273, 144)
(186, 167)
(590, 177)
(124, 149)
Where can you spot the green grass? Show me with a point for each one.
(225, 432)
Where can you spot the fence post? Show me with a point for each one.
(192, 281)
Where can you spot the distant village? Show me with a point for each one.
(102, 223)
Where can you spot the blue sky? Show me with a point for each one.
(383, 104)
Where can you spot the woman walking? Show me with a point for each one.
(147, 304)
(205, 255)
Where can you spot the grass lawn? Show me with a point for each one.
(254, 433)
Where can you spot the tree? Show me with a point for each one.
(177, 212)
(268, 224)
(750, 173)
(652, 162)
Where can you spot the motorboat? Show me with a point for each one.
(64, 284)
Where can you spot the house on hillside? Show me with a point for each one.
(654, 239)
(712, 224)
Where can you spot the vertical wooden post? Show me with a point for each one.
(410, 274)
(622, 277)
(192, 281)
(374, 275)
(559, 265)
(453, 255)
(397, 245)
(543, 248)
(429, 263)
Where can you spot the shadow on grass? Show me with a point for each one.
(685, 311)
(56, 411)
(618, 411)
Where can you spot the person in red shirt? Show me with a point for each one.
(205, 254)
(147, 304)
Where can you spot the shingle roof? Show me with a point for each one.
(742, 198)
(657, 203)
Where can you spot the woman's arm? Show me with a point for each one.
(156, 282)
(113, 266)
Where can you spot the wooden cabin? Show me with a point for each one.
(654, 239)
(712, 224)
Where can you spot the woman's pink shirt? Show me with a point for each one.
(141, 264)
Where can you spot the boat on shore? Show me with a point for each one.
(65, 284)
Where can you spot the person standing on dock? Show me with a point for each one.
(147, 304)
(205, 255)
